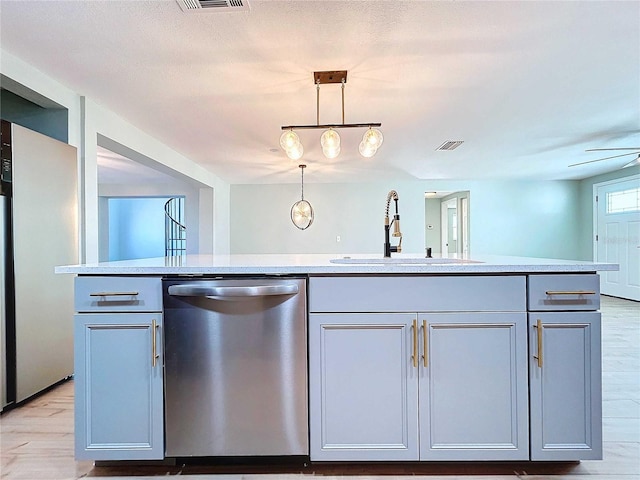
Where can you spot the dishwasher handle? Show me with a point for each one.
(195, 290)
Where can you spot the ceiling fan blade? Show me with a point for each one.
(605, 158)
(605, 149)
(632, 163)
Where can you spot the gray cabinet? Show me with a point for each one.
(565, 373)
(118, 369)
(401, 385)
(473, 386)
(363, 387)
(565, 367)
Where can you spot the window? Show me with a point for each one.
(623, 201)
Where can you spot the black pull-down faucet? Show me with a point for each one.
(387, 226)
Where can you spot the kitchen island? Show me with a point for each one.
(275, 264)
(409, 359)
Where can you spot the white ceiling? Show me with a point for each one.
(528, 85)
(113, 168)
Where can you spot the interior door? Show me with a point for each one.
(449, 226)
(464, 225)
(618, 236)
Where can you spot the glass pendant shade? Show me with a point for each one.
(289, 139)
(331, 152)
(373, 137)
(295, 152)
(302, 214)
(301, 211)
(330, 140)
(366, 149)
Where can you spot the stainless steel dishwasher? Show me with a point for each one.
(235, 367)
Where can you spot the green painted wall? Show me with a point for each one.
(526, 218)
(53, 122)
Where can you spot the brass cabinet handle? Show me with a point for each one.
(570, 292)
(538, 326)
(113, 294)
(414, 357)
(154, 347)
(425, 362)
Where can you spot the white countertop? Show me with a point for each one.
(277, 264)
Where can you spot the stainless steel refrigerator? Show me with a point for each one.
(38, 230)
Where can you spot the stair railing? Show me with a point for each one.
(175, 232)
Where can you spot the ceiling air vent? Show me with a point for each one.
(214, 5)
(450, 145)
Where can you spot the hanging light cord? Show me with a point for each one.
(302, 182)
(318, 102)
(343, 82)
(322, 80)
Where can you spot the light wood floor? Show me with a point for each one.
(37, 439)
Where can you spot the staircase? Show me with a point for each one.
(175, 233)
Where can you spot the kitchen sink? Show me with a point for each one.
(401, 261)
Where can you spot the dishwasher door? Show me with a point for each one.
(235, 367)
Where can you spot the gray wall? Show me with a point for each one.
(432, 217)
(527, 218)
(261, 223)
(52, 122)
(535, 219)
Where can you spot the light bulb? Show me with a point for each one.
(289, 139)
(373, 137)
(330, 139)
(366, 150)
(295, 152)
(331, 152)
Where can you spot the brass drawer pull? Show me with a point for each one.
(414, 357)
(538, 357)
(568, 292)
(426, 345)
(154, 346)
(113, 294)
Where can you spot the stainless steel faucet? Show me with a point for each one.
(387, 226)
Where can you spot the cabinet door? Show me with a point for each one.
(363, 387)
(473, 386)
(118, 386)
(566, 398)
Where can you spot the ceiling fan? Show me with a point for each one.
(630, 164)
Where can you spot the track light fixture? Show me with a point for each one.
(330, 139)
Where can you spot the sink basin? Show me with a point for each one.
(401, 261)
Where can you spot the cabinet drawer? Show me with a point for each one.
(564, 292)
(118, 294)
(417, 293)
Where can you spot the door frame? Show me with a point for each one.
(594, 205)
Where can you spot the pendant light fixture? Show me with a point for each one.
(301, 211)
(330, 139)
